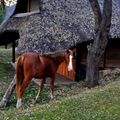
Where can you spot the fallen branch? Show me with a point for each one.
(8, 93)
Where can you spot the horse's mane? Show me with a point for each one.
(55, 54)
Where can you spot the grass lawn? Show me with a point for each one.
(72, 102)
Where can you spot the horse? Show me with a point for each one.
(30, 65)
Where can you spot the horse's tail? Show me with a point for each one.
(19, 74)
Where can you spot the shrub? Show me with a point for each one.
(2, 14)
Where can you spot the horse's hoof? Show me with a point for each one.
(52, 96)
(19, 104)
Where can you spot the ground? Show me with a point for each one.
(72, 95)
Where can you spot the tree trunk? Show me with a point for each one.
(92, 70)
(100, 42)
(8, 93)
(2, 4)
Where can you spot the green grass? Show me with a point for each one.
(7, 72)
(72, 102)
(100, 103)
(5, 67)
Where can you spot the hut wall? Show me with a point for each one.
(63, 70)
(83, 61)
(113, 54)
(111, 58)
(34, 5)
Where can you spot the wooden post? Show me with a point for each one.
(3, 4)
(28, 6)
(13, 51)
(6, 46)
(8, 93)
(78, 60)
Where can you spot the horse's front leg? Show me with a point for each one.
(52, 86)
(40, 88)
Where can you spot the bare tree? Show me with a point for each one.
(3, 4)
(102, 27)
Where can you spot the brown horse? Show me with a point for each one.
(30, 65)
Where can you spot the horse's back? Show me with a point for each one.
(38, 66)
(31, 58)
(30, 54)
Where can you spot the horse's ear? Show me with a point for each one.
(74, 50)
(67, 51)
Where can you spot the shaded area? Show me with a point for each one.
(59, 80)
(8, 37)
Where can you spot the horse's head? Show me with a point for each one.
(69, 57)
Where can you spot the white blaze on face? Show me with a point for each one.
(70, 68)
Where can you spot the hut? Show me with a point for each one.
(48, 25)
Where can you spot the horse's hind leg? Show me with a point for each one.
(52, 86)
(40, 88)
(22, 89)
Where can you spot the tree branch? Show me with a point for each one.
(107, 13)
(106, 23)
(97, 13)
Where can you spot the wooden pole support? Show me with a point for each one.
(13, 52)
(8, 93)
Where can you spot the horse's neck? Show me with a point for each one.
(58, 56)
(60, 59)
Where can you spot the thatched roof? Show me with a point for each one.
(7, 36)
(60, 24)
(8, 14)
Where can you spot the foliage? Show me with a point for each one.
(71, 101)
(16, 42)
(2, 14)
